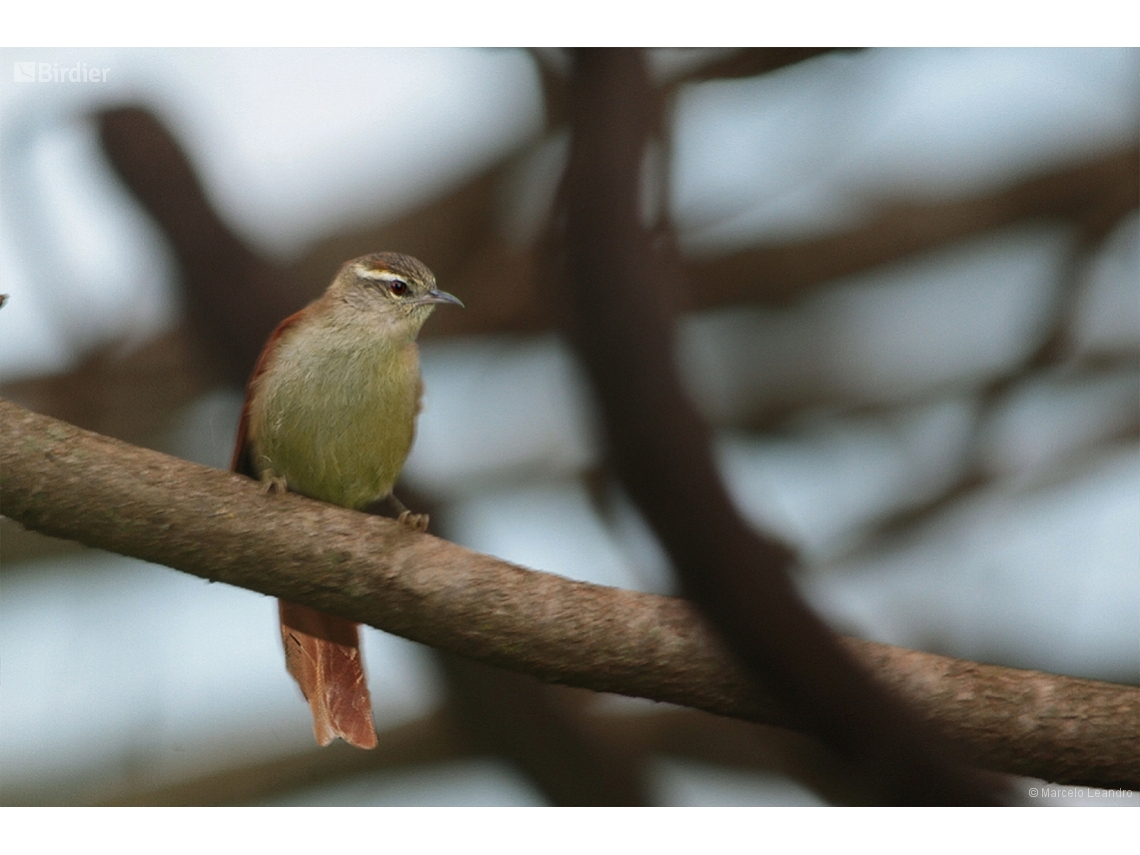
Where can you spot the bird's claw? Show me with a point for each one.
(272, 483)
(416, 522)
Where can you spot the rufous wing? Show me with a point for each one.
(242, 461)
(322, 652)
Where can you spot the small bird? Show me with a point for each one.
(330, 413)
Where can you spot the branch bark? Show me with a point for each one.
(66, 482)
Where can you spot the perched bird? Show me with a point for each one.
(330, 413)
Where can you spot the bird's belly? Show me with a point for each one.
(348, 441)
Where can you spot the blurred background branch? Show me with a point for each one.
(129, 395)
(618, 289)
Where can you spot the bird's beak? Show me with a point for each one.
(437, 296)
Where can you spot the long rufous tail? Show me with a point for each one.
(322, 652)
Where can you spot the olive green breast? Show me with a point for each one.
(336, 421)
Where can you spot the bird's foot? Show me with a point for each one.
(416, 522)
(271, 482)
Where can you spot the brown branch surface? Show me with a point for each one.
(66, 482)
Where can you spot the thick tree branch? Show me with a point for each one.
(66, 482)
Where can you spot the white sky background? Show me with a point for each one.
(1042, 569)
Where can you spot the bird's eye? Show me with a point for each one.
(398, 287)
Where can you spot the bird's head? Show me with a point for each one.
(395, 289)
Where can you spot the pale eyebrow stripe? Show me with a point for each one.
(382, 275)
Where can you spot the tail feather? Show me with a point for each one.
(322, 652)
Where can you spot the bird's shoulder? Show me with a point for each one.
(241, 461)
